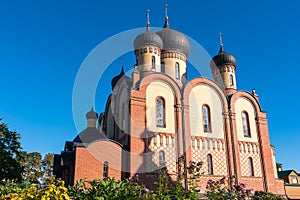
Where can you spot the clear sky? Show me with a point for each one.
(43, 44)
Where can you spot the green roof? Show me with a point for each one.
(286, 173)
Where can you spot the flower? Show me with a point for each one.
(145, 190)
(210, 182)
(242, 185)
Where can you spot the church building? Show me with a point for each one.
(156, 116)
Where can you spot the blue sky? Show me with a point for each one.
(43, 44)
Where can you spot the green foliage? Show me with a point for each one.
(10, 154)
(36, 169)
(109, 188)
(15, 191)
(32, 168)
(19, 165)
(193, 174)
(265, 196)
(163, 189)
(216, 190)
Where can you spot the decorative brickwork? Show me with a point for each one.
(201, 147)
(167, 144)
(250, 150)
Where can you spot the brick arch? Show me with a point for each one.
(158, 77)
(247, 96)
(205, 81)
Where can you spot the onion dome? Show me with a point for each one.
(115, 80)
(174, 40)
(91, 114)
(148, 37)
(223, 58)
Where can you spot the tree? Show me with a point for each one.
(36, 169)
(47, 167)
(10, 153)
(32, 166)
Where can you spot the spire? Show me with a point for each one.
(148, 20)
(221, 42)
(166, 25)
(122, 70)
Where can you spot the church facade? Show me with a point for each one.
(156, 116)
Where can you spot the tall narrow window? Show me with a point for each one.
(231, 80)
(245, 121)
(105, 169)
(209, 164)
(153, 62)
(160, 112)
(206, 118)
(250, 165)
(177, 74)
(162, 161)
(163, 67)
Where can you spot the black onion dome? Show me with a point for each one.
(115, 80)
(91, 114)
(174, 40)
(223, 58)
(148, 38)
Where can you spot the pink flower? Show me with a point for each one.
(242, 185)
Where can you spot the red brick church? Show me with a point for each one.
(157, 115)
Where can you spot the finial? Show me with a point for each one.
(166, 17)
(122, 70)
(221, 42)
(166, 10)
(91, 114)
(148, 20)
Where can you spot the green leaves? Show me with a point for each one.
(108, 188)
(10, 154)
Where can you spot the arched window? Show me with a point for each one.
(105, 169)
(209, 164)
(250, 165)
(231, 80)
(153, 62)
(160, 112)
(177, 74)
(162, 67)
(206, 119)
(162, 161)
(245, 121)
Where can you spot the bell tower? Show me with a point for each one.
(147, 47)
(223, 67)
(176, 49)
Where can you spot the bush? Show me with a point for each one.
(15, 191)
(109, 188)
